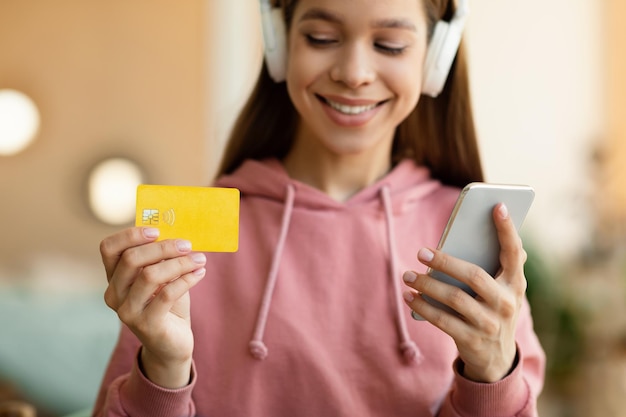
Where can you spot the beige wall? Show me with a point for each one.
(234, 60)
(614, 201)
(110, 77)
(538, 86)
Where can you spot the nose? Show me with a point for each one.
(354, 67)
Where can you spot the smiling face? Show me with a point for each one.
(355, 71)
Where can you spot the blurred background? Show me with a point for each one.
(99, 96)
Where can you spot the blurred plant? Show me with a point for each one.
(558, 322)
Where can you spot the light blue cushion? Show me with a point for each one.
(82, 413)
(54, 347)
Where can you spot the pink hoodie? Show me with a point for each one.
(306, 319)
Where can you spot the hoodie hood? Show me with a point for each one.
(269, 179)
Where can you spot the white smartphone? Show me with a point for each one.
(471, 234)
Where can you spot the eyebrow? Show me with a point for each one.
(395, 24)
(321, 14)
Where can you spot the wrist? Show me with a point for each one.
(166, 374)
(487, 375)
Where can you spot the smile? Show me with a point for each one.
(351, 110)
(348, 109)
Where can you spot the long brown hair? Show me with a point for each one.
(438, 134)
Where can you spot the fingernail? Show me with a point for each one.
(416, 316)
(408, 296)
(198, 258)
(183, 245)
(199, 272)
(409, 276)
(425, 255)
(150, 232)
(503, 211)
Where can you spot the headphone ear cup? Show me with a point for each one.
(442, 50)
(432, 77)
(275, 43)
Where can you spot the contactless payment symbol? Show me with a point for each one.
(169, 217)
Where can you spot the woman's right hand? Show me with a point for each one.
(148, 287)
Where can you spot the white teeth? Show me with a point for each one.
(351, 110)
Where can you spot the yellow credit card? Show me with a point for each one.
(206, 216)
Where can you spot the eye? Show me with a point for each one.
(389, 50)
(319, 41)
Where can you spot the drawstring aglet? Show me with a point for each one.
(410, 352)
(258, 349)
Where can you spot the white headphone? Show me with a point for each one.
(441, 50)
(274, 40)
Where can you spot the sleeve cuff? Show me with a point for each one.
(506, 397)
(140, 396)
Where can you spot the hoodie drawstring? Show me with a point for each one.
(258, 349)
(409, 349)
(256, 345)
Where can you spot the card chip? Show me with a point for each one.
(150, 217)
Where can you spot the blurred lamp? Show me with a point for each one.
(19, 121)
(112, 189)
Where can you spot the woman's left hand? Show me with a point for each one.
(484, 330)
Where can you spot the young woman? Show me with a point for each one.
(347, 176)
